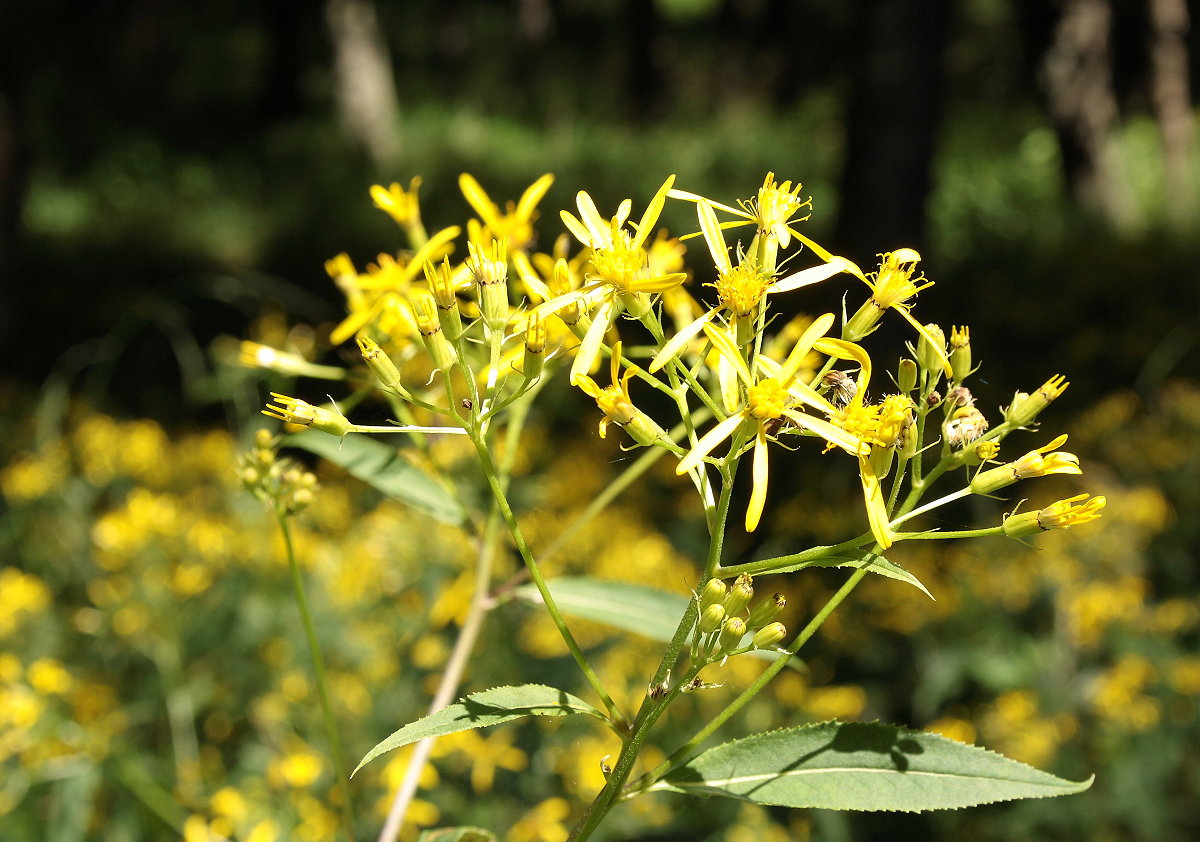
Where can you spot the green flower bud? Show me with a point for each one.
(906, 377)
(960, 353)
(490, 268)
(732, 632)
(739, 595)
(713, 593)
(441, 283)
(766, 611)
(711, 619)
(381, 364)
(927, 354)
(768, 636)
(1025, 409)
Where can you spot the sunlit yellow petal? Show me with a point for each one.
(650, 217)
(578, 230)
(758, 494)
(529, 276)
(708, 441)
(832, 433)
(844, 350)
(804, 344)
(729, 351)
(713, 236)
(597, 226)
(935, 345)
(812, 275)
(876, 510)
(589, 349)
(676, 343)
(479, 201)
(532, 195)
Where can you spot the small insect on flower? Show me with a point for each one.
(842, 388)
(963, 426)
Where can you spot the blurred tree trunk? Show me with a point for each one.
(365, 84)
(1173, 104)
(1078, 78)
(15, 159)
(892, 124)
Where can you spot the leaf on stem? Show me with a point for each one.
(877, 564)
(457, 834)
(862, 766)
(382, 467)
(487, 707)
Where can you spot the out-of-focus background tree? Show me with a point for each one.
(171, 171)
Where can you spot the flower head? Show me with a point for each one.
(1035, 463)
(617, 405)
(1062, 514)
(304, 414)
(513, 226)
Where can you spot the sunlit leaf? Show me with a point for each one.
(487, 707)
(862, 766)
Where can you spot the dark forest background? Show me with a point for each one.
(164, 163)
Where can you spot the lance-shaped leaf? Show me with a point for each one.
(876, 563)
(862, 766)
(487, 707)
(383, 468)
(457, 834)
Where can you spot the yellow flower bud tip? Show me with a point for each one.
(930, 354)
(906, 377)
(263, 438)
(304, 414)
(1062, 514)
(488, 265)
(1025, 408)
(441, 283)
(425, 313)
(739, 595)
(536, 334)
(766, 611)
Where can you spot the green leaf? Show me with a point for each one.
(635, 608)
(878, 564)
(862, 766)
(457, 834)
(487, 707)
(384, 468)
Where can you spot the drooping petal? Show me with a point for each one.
(758, 493)
(695, 197)
(675, 343)
(578, 230)
(708, 441)
(529, 276)
(590, 347)
(876, 510)
(937, 346)
(597, 226)
(832, 433)
(844, 350)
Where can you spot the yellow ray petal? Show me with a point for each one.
(758, 494)
(675, 343)
(713, 236)
(708, 441)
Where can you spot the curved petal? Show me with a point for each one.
(936, 345)
(578, 230)
(832, 433)
(532, 195)
(479, 200)
(529, 276)
(876, 510)
(729, 351)
(708, 441)
(845, 350)
(597, 226)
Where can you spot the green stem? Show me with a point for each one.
(318, 662)
(535, 574)
(772, 565)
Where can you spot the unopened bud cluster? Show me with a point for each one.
(726, 616)
(280, 482)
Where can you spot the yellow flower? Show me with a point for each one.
(617, 405)
(770, 399)
(740, 289)
(891, 288)
(544, 823)
(620, 272)
(1032, 464)
(1060, 515)
(515, 225)
(399, 204)
(304, 414)
(771, 211)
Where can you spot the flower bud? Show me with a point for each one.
(768, 636)
(711, 619)
(304, 414)
(1025, 409)
(766, 611)
(441, 283)
(732, 632)
(713, 593)
(490, 269)
(906, 375)
(560, 284)
(441, 352)
(381, 364)
(739, 595)
(535, 347)
(1062, 514)
(960, 353)
(928, 355)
